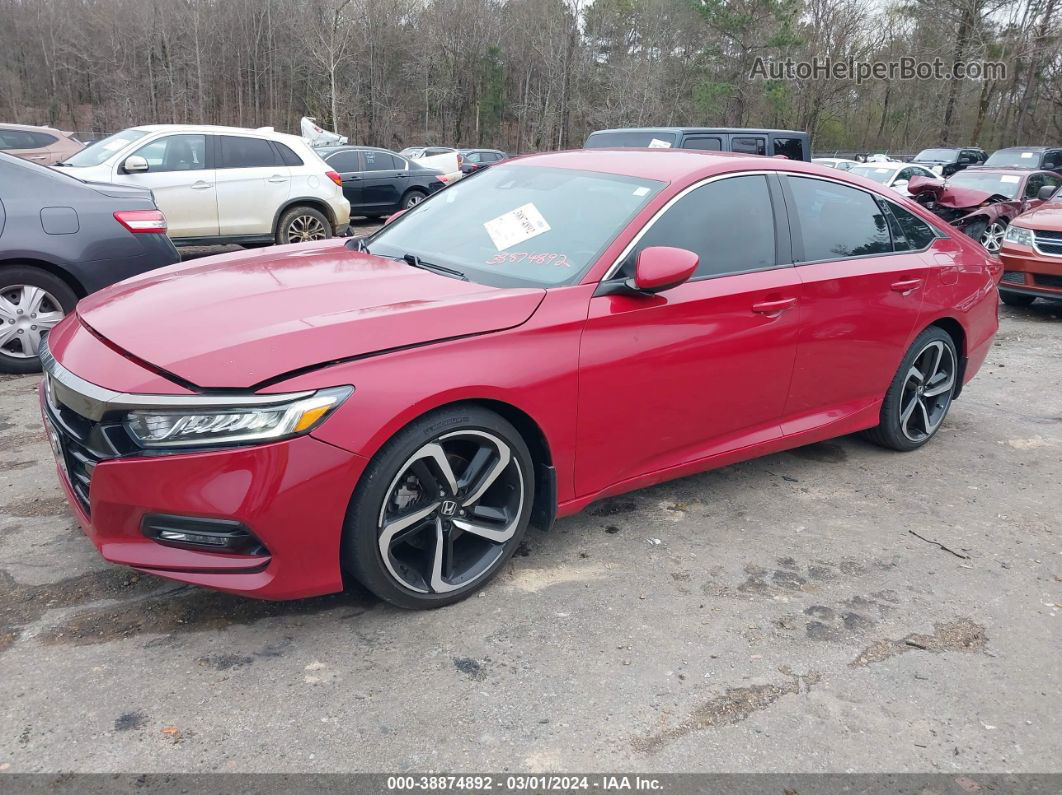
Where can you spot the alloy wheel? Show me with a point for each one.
(413, 199)
(992, 237)
(927, 391)
(304, 228)
(26, 314)
(450, 512)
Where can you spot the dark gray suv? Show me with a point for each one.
(61, 239)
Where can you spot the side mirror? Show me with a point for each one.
(660, 268)
(1046, 192)
(965, 161)
(135, 164)
(392, 217)
(899, 184)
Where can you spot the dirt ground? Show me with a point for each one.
(835, 608)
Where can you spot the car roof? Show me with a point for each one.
(265, 132)
(1024, 149)
(328, 150)
(667, 165)
(31, 127)
(897, 164)
(689, 130)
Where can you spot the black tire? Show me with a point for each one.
(389, 478)
(13, 278)
(893, 431)
(1015, 299)
(301, 223)
(413, 197)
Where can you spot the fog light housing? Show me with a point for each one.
(203, 535)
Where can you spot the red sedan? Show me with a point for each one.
(562, 328)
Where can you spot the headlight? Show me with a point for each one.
(1019, 235)
(203, 427)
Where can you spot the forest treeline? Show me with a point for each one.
(531, 74)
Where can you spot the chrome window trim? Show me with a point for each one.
(94, 402)
(615, 266)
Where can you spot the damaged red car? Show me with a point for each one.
(981, 202)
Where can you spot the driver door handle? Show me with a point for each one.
(775, 307)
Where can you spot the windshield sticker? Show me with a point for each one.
(656, 143)
(641, 191)
(1009, 180)
(118, 143)
(881, 171)
(1026, 154)
(544, 258)
(516, 226)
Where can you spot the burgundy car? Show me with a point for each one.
(981, 202)
(562, 328)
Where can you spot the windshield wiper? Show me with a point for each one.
(417, 262)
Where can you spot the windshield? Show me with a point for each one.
(1003, 184)
(876, 173)
(653, 139)
(518, 225)
(937, 156)
(100, 151)
(1010, 158)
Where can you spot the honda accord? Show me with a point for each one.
(562, 328)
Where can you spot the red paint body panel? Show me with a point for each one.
(1032, 263)
(625, 390)
(217, 324)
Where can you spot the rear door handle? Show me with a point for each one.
(775, 307)
(278, 178)
(200, 185)
(906, 286)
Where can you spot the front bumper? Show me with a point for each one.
(292, 495)
(1028, 272)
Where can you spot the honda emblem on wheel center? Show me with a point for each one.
(449, 508)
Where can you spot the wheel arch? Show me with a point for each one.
(304, 201)
(50, 267)
(954, 329)
(413, 189)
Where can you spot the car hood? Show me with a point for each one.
(952, 196)
(238, 320)
(1047, 217)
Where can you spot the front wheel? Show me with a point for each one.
(440, 509)
(920, 394)
(992, 236)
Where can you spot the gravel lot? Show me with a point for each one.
(778, 615)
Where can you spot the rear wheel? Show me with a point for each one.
(32, 301)
(920, 394)
(413, 198)
(440, 509)
(303, 224)
(1016, 299)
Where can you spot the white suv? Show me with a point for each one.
(222, 184)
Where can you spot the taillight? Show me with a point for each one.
(142, 222)
(334, 177)
(443, 178)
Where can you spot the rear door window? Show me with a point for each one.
(711, 143)
(379, 161)
(910, 233)
(838, 222)
(729, 224)
(748, 144)
(240, 152)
